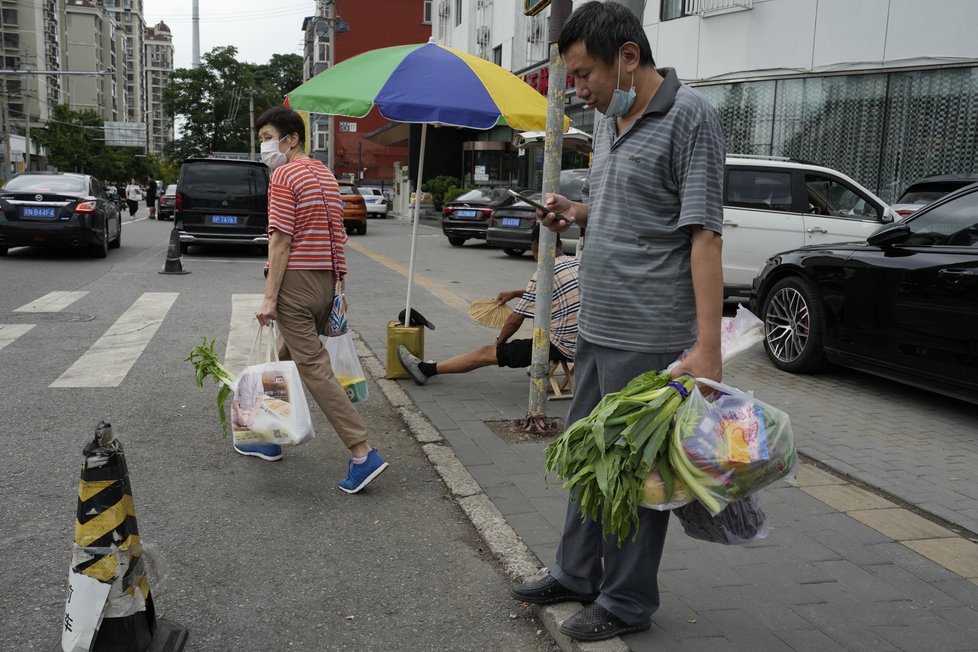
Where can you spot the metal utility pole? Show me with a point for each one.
(27, 143)
(536, 420)
(251, 125)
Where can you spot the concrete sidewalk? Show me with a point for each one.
(874, 549)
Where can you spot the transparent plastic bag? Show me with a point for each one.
(346, 365)
(742, 521)
(730, 445)
(655, 494)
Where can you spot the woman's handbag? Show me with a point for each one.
(337, 323)
(268, 403)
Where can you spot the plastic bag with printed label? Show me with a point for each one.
(730, 445)
(268, 402)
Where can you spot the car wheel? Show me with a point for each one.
(793, 326)
(3, 251)
(101, 249)
(456, 242)
(362, 228)
(184, 249)
(515, 253)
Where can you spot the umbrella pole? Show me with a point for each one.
(414, 226)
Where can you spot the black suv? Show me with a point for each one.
(222, 201)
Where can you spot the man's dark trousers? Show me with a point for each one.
(627, 580)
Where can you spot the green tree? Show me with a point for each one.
(73, 139)
(211, 100)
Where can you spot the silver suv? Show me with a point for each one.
(771, 205)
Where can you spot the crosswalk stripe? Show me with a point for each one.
(53, 302)
(108, 361)
(10, 332)
(242, 332)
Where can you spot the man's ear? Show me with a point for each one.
(630, 57)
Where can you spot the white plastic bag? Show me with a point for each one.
(268, 402)
(346, 365)
(737, 334)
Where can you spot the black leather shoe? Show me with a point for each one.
(595, 623)
(546, 591)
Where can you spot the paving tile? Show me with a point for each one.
(849, 625)
(847, 497)
(808, 640)
(956, 554)
(812, 476)
(866, 584)
(900, 524)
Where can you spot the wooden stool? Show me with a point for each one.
(561, 379)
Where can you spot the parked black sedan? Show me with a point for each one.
(58, 209)
(467, 216)
(511, 227)
(903, 304)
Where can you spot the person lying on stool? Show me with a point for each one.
(516, 353)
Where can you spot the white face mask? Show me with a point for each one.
(270, 154)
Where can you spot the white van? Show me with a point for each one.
(771, 205)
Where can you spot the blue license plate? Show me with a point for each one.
(224, 219)
(34, 211)
(466, 213)
(511, 221)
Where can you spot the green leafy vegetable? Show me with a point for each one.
(207, 364)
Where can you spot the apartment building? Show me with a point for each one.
(884, 90)
(159, 67)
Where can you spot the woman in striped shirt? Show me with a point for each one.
(305, 257)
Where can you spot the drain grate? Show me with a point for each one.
(44, 317)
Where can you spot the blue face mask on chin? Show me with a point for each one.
(621, 101)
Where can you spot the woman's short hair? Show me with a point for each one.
(285, 120)
(604, 27)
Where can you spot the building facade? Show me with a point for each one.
(884, 90)
(159, 67)
(360, 27)
(118, 67)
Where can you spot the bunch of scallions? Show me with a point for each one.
(207, 364)
(605, 457)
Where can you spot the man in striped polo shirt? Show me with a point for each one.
(651, 283)
(516, 353)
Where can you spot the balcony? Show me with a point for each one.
(711, 7)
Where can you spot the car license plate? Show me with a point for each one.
(224, 219)
(511, 221)
(34, 211)
(465, 213)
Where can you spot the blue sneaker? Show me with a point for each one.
(270, 452)
(359, 476)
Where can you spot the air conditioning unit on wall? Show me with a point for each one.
(482, 36)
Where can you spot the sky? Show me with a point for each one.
(257, 28)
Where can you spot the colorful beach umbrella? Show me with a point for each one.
(424, 83)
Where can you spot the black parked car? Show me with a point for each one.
(222, 201)
(510, 227)
(929, 189)
(467, 216)
(903, 304)
(58, 209)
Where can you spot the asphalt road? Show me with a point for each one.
(257, 555)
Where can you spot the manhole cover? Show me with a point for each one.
(45, 317)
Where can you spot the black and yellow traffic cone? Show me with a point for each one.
(173, 264)
(110, 606)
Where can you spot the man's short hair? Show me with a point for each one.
(535, 235)
(604, 27)
(285, 120)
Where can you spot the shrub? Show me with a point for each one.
(438, 186)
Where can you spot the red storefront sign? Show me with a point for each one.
(540, 80)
